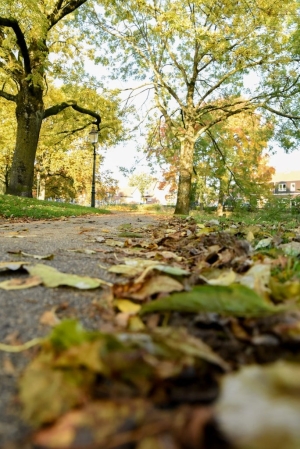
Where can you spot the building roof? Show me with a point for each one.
(286, 176)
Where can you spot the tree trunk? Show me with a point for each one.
(221, 198)
(29, 114)
(185, 176)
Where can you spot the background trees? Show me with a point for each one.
(230, 160)
(64, 157)
(142, 181)
(196, 57)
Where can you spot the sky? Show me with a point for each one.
(283, 162)
(126, 156)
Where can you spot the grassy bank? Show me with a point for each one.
(18, 207)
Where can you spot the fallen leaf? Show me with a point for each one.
(83, 230)
(236, 300)
(66, 371)
(126, 270)
(135, 324)
(122, 319)
(49, 318)
(53, 278)
(284, 290)
(124, 305)
(174, 271)
(264, 243)
(250, 236)
(291, 248)
(134, 270)
(21, 283)
(111, 242)
(34, 256)
(82, 250)
(104, 424)
(10, 265)
(259, 407)
(100, 239)
(157, 284)
(8, 367)
(257, 278)
(140, 263)
(132, 235)
(226, 277)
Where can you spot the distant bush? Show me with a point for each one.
(276, 208)
(155, 207)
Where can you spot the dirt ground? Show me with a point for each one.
(21, 310)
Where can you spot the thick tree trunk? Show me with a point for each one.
(29, 113)
(185, 176)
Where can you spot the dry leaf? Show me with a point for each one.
(158, 284)
(21, 283)
(49, 318)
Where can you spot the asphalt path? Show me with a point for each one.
(21, 311)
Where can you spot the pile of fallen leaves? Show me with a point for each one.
(198, 312)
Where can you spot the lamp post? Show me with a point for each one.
(93, 138)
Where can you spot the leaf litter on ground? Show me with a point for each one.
(200, 300)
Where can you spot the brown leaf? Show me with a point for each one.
(8, 367)
(21, 283)
(158, 284)
(49, 318)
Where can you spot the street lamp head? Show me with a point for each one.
(93, 135)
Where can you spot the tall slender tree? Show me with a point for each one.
(196, 57)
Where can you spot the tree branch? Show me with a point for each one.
(218, 149)
(54, 110)
(59, 11)
(7, 96)
(282, 114)
(12, 23)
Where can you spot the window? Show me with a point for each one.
(282, 187)
(293, 187)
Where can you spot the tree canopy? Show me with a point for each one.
(197, 59)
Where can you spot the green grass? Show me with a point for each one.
(19, 207)
(259, 217)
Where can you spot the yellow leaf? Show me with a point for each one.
(204, 231)
(124, 305)
(135, 324)
(225, 278)
(250, 236)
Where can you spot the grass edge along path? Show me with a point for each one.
(19, 207)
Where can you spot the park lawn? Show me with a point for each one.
(19, 207)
